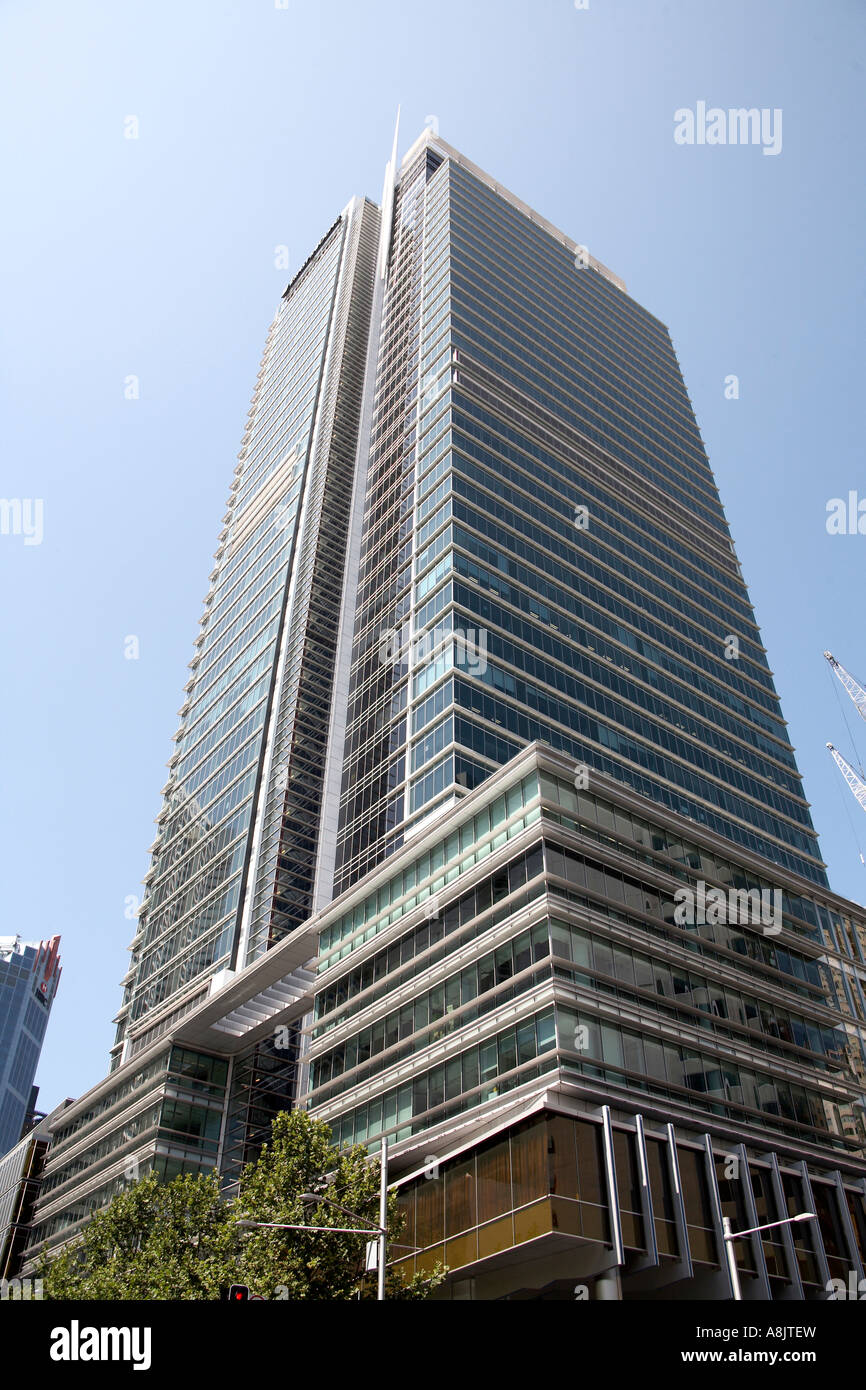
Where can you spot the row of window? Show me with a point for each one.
(600, 656)
(624, 1057)
(630, 542)
(591, 479)
(587, 748)
(477, 1075)
(430, 873)
(613, 889)
(639, 972)
(511, 363)
(464, 1210)
(595, 812)
(635, 334)
(617, 578)
(461, 999)
(411, 954)
(590, 300)
(601, 612)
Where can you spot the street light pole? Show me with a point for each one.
(729, 1236)
(729, 1239)
(383, 1219)
(380, 1232)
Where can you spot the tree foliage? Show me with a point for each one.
(155, 1240)
(183, 1240)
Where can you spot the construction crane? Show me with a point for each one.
(857, 785)
(856, 781)
(854, 688)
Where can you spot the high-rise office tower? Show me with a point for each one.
(526, 866)
(234, 858)
(532, 421)
(29, 976)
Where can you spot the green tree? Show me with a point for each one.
(183, 1240)
(303, 1264)
(155, 1240)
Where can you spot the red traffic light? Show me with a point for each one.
(238, 1293)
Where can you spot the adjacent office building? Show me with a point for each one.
(29, 976)
(20, 1181)
(483, 831)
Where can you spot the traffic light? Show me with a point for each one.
(235, 1293)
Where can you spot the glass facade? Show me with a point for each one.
(547, 1178)
(516, 395)
(479, 701)
(29, 976)
(20, 1171)
(235, 855)
(557, 910)
(167, 1116)
(374, 779)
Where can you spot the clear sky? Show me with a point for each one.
(155, 258)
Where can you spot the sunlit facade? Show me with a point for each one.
(234, 858)
(478, 722)
(579, 1085)
(544, 537)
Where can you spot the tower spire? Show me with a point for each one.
(388, 202)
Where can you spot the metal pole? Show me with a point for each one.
(732, 1259)
(383, 1219)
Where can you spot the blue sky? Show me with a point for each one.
(155, 258)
